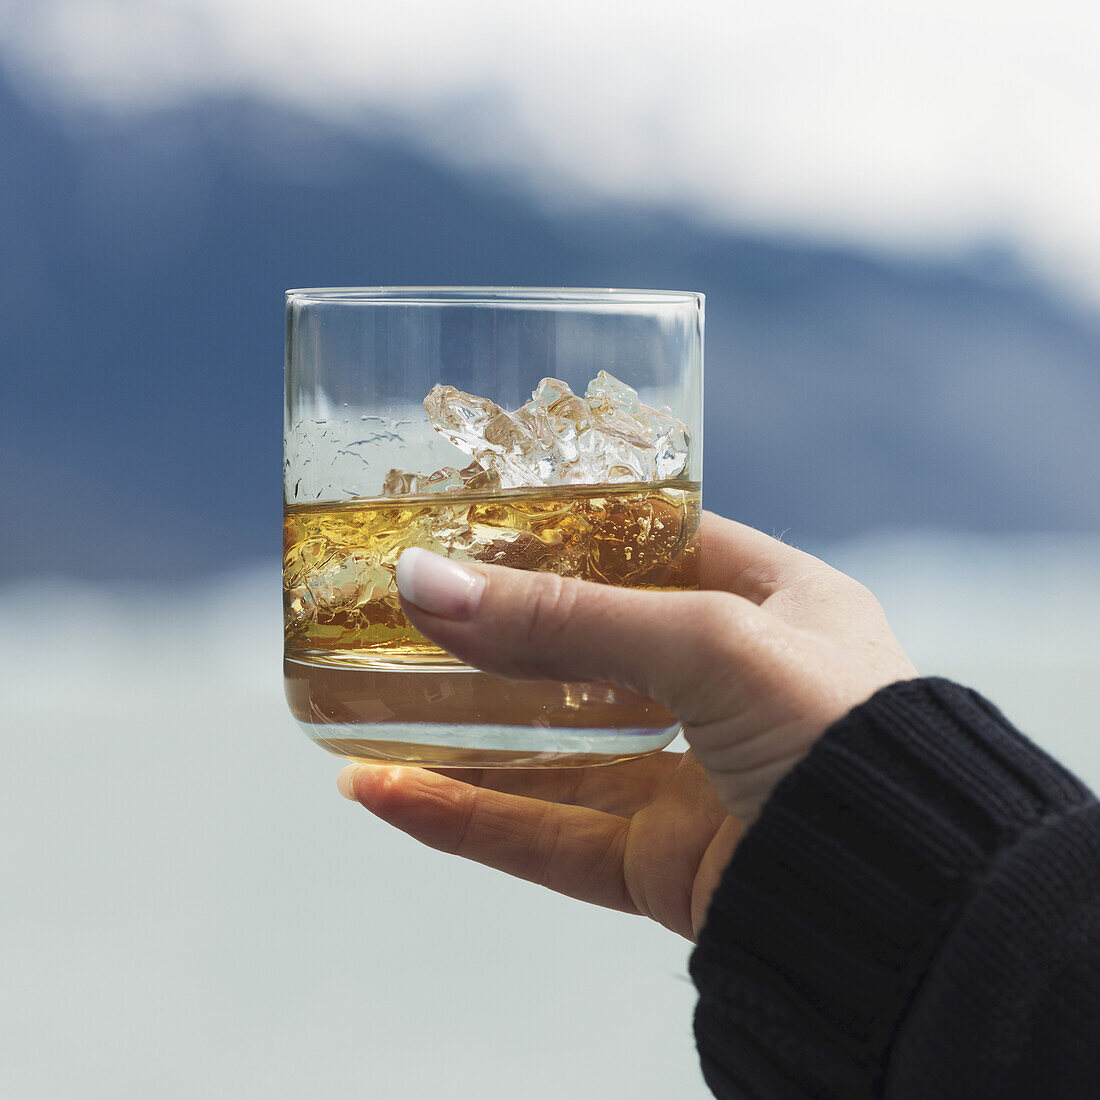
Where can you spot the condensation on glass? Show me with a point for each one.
(544, 429)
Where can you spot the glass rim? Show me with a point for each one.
(488, 295)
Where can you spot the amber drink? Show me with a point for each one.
(592, 482)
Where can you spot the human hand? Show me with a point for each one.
(757, 665)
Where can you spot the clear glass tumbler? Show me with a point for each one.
(544, 429)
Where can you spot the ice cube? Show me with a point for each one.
(557, 438)
(400, 483)
(489, 434)
(350, 581)
(651, 442)
(557, 417)
(475, 476)
(447, 479)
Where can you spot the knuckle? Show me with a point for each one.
(464, 813)
(551, 606)
(718, 616)
(859, 595)
(543, 848)
(818, 579)
(714, 643)
(825, 584)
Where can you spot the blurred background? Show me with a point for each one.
(891, 208)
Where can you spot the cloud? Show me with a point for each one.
(913, 124)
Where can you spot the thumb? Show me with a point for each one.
(675, 647)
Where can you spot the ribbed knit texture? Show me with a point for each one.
(916, 914)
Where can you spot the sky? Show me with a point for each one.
(924, 125)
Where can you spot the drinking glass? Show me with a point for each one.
(546, 429)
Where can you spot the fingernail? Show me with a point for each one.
(438, 584)
(345, 782)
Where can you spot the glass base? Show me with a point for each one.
(458, 717)
(598, 748)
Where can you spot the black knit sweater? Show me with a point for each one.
(916, 914)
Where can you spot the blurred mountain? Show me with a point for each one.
(144, 265)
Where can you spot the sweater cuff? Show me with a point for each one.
(838, 898)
